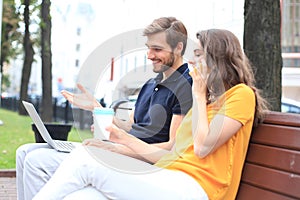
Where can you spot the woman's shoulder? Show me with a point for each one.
(241, 92)
(241, 89)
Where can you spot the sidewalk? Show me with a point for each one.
(8, 190)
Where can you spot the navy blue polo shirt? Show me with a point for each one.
(158, 101)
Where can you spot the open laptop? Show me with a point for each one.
(62, 146)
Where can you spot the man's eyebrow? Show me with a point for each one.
(154, 46)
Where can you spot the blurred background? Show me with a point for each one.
(78, 27)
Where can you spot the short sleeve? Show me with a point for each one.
(240, 103)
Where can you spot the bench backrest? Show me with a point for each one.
(272, 167)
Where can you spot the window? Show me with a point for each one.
(76, 63)
(77, 47)
(78, 31)
(291, 31)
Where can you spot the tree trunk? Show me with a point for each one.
(28, 59)
(10, 32)
(47, 111)
(262, 46)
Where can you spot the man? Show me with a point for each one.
(161, 105)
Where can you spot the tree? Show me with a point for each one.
(10, 34)
(46, 112)
(263, 48)
(28, 58)
(5, 81)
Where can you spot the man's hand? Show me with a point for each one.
(83, 100)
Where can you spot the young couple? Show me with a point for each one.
(205, 129)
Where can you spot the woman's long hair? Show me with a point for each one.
(229, 65)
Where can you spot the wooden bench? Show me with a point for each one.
(272, 167)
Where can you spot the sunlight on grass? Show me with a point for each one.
(16, 130)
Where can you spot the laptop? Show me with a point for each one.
(62, 146)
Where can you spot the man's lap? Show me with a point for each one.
(40, 154)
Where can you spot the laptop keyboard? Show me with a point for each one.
(64, 145)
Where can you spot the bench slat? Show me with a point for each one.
(274, 180)
(280, 118)
(249, 192)
(277, 136)
(273, 157)
(7, 173)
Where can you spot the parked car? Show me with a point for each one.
(290, 106)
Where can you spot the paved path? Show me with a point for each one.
(8, 188)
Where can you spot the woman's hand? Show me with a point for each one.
(118, 135)
(83, 100)
(199, 83)
(110, 146)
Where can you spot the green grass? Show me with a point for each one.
(16, 130)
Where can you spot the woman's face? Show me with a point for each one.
(202, 58)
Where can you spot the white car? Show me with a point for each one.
(290, 106)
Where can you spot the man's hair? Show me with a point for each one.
(174, 29)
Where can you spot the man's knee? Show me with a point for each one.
(41, 157)
(25, 149)
(22, 152)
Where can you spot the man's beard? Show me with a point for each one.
(165, 66)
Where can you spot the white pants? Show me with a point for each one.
(35, 165)
(81, 176)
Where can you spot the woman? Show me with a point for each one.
(210, 148)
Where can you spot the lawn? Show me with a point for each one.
(16, 130)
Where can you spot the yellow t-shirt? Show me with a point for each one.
(218, 173)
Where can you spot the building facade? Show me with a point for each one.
(80, 26)
(290, 42)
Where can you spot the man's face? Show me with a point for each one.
(160, 52)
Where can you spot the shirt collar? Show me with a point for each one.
(175, 75)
